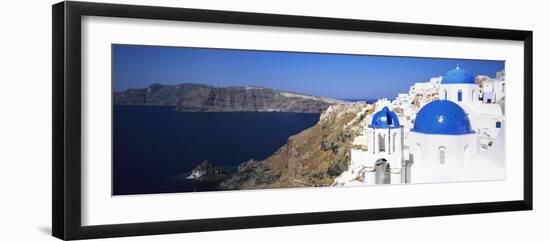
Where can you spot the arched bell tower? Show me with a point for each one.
(385, 142)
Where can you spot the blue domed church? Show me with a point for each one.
(459, 86)
(442, 141)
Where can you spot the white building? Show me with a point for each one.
(448, 133)
(451, 134)
(485, 112)
(459, 86)
(493, 90)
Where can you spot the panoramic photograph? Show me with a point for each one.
(188, 119)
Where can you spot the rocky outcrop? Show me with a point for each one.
(314, 157)
(203, 98)
(206, 171)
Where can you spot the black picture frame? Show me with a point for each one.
(66, 75)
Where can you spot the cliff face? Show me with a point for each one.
(204, 98)
(314, 157)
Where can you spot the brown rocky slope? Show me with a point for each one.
(313, 157)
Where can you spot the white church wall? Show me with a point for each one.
(428, 164)
(470, 93)
(391, 148)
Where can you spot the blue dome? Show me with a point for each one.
(385, 119)
(442, 117)
(458, 76)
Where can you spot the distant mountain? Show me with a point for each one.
(190, 97)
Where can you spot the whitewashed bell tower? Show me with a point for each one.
(384, 158)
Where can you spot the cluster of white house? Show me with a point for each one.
(448, 129)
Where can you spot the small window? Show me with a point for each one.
(445, 94)
(418, 153)
(498, 124)
(394, 141)
(442, 154)
(381, 143)
(459, 96)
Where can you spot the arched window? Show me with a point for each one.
(374, 142)
(394, 141)
(465, 156)
(445, 94)
(381, 143)
(459, 97)
(498, 125)
(442, 154)
(418, 154)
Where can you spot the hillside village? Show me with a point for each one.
(450, 128)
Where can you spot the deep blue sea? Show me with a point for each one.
(155, 148)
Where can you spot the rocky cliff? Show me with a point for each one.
(313, 157)
(203, 98)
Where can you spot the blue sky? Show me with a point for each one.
(331, 75)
